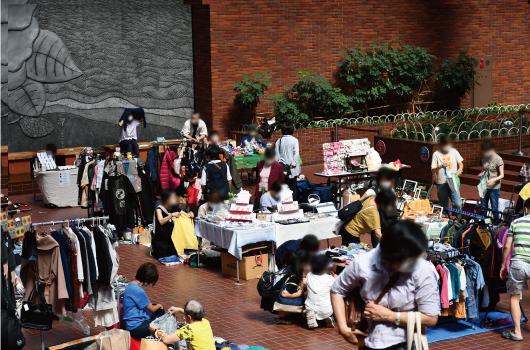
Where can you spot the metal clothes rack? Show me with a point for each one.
(465, 213)
(490, 213)
(444, 256)
(71, 221)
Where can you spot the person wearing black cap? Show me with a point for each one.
(252, 137)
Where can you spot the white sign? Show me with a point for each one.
(64, 179)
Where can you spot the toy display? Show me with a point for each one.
(339, 156)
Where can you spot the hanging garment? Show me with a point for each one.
(51, 276)
(168, 178)
(183, 236)
(119, 200)
(105, 263)
(152, 163)
(65, 251)
(87, 282)
(479, 246)
(193, 194)
(103, 302)
(75, 298)
(444, 300)
(147, 195)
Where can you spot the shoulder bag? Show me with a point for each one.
(355, 308)
(36, 316)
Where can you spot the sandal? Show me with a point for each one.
(509, 335)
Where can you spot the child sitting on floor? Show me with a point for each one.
(318, 302)
(138, 312)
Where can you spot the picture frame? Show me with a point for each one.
(409, 187)
(436, 209)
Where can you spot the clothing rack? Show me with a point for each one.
(444, 256)
(507, 218)
(465, 213)
(53, 223)
(75, 221)
(490, 213)
(72, 221)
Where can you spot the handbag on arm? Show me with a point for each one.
(355, 308)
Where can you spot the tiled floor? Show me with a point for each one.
(233, 309)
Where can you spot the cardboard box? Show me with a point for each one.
(145, 237)
(248, 268)
(347, 199)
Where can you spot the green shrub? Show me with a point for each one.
(250, 91)
(310, 97)
(385, 71)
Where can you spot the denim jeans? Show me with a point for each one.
(130, 146)
(492, 196)
(444, 192)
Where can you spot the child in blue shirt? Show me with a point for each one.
(138, 312)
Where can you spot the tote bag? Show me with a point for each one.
(452, 181)
(415, 332)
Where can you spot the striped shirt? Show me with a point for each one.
(520, 231)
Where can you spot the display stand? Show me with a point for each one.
(53, 223)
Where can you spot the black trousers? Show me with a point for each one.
(292, 183)
(130, 146)
(347, 237)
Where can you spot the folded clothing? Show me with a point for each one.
(168, 259)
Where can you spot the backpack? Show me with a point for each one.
(265, 284)
(265, 130)
(217, 181)
(347, 213)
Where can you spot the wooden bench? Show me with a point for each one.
(5, 160)
(143, 146)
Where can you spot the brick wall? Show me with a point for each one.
(282, 37)
(408, 152)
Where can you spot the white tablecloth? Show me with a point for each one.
(48, 182)
(231, 239)
(323, 229)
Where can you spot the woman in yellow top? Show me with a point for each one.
(197, 332)
(367, 219)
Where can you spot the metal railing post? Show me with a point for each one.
(520, 151)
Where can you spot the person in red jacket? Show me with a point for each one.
(269, 171)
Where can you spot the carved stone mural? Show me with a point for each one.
(80, 63)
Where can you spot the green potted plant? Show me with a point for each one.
(250, 90)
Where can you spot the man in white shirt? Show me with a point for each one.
(454, 163)
(195, 129)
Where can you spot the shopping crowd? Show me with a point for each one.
(371, 302)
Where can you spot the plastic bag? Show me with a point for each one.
(77, 320)
(373, 160)
(482, 187)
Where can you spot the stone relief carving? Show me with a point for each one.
(33, 57)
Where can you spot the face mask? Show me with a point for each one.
(488, 154)
(215, 139)
(252, 133)
(385, 184)
(269, 161)
(447, 148)
(194, 122)
(408, 265)
(130, 118)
